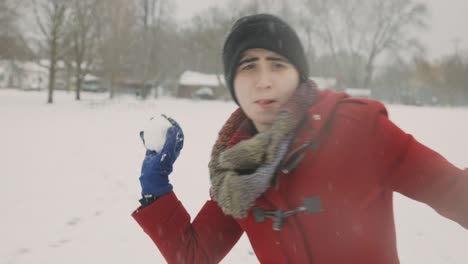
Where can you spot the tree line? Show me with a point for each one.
(369, 44)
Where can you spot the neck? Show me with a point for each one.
(262, 127)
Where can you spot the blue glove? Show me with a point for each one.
(157, 166)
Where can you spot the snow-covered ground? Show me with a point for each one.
(69, 178)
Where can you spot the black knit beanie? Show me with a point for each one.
(262, 31)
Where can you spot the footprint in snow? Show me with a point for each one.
(61, 242)
(74, 221)
(23, 251)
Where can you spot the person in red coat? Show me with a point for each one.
(308, 175)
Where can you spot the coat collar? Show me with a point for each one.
(317, 116)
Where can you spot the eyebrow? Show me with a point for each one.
(269, 58)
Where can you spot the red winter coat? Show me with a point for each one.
(359, 160)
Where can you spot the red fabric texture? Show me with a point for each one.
(361, 159)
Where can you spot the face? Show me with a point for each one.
(263, 84)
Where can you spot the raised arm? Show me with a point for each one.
(207, 240)
(163, 217)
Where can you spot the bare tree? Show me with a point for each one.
(206, 38)
(51, 18)
(363, 29)
(421, 81)
(154, 21)
(82, 28)
(116, 33)
(150, 25)
(454, 74)
(12, 42)
(240, 8)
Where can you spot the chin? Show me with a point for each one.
(265, 121)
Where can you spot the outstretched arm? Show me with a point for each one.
(422, 174)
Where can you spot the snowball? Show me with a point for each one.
(155, 132)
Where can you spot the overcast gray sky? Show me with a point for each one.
(448, 23)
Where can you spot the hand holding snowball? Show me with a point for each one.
(163, 139)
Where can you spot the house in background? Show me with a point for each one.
(325, 83)
(32, 76)
(359, 92)
(23, 75)
(92, 83)
(63, 75)
(6, 73)
(197, 85)
(332, 83)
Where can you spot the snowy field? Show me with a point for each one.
(69, 178)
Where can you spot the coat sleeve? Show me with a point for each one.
(420, 173)
(207, 240)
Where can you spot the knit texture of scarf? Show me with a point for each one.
(241, 173)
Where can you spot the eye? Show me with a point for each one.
(247, 67)
(279, 65)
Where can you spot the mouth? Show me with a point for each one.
(265, 103)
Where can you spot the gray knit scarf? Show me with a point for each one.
(241, 173)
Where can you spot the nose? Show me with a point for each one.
(264, 79)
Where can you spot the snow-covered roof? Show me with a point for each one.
(26, 66)
(32, 67)
(46, 63)
(191, 78)
(323, 83)
(204, 91)
(90, 77)
(358, 92)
